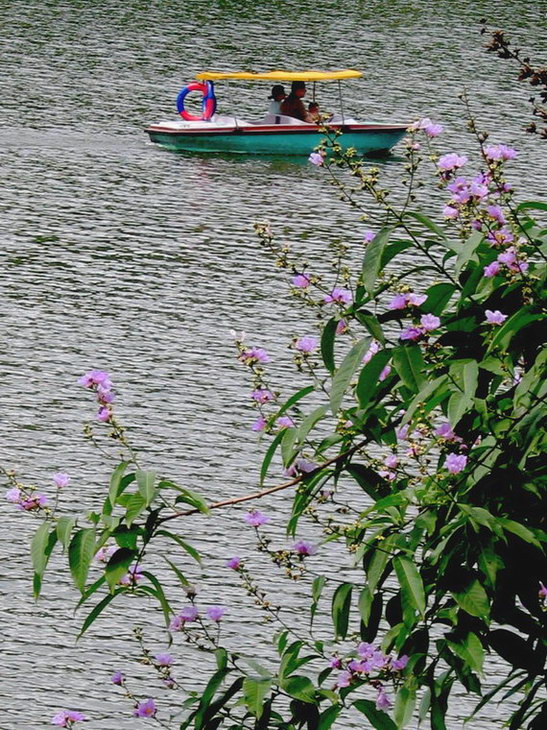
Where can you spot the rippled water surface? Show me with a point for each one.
(120, 255)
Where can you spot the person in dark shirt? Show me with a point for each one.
(293, 106)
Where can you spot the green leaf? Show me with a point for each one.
(145, 483)
(38, 548)
(474, 600)
(299, 687)
(365, 604)
(379, 719)
(327, 344)
(438, 297)
(470, 376)
(135, 505)
(345, 373)
(117, 566)
(423, 397)
(405, 701)
(254, 692)
(378, 562)
(180, 575)
(373, 259)
(458, 405)
(470, 650)
(99, 608)
(288, 442)
(184, 545)
(164, 603)
(294, 399)
(308, 423)
(208, 694)
(341, 603)
(367, 385)
(531, 205)
(187, 496)
(316, 590)
(272, 448)
(64, 528)
(519, 530)
(409, 364)
(410, 582)
(427, 223)
(516, 323)
(373, 325)
(115, 481)
(80, 554)
(328, 717)
(468, 250)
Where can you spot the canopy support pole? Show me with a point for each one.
(341, 100)
(229, 89)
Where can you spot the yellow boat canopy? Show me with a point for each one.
(280, 75)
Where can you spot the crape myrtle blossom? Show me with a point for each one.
(411, 333)
(542, 593)
(509, 258)
(339, 295)
(491, 270)
(300, 466)
(262, 395)
(369, 236)
(385, 372)
(316, 158)
(96, 378)
(187, 615)
(256, 518)
(259, 424)
(455, 463)
(234, 563)
(372, 350)
(451, 161)
(301, 281)
(163, 659)
(132, 577)
(306, 344)
(13, 495)
(304, 548)
(285, 422)
(430, 128)
(499, 152)
(215, 613)
(341, 327)
(445, 431)
(104, 553)
(36, 500)
(429, 322)
(401, 301)
(253, 355)
(117, 678)
(383, 702)
(495, 317)
(501, 237)
(61, 480)
(146, 708)
(495, 212)
(67, 718)
(450, 212)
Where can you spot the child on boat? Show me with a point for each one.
(277, 96)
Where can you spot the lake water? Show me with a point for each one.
(119, 255)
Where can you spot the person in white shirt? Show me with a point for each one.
(277, 96)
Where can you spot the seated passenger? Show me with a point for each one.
(293, 106)
(277, 96)
(313, 112)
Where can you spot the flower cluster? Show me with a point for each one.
(371, 666)
(67, 718)
(27, 499)
(99, 382)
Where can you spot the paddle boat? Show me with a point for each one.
(274, 134)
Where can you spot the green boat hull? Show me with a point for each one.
(252, 142)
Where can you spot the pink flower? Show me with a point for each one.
(306, 344)
(316, 158)
(452, 161)
(341, 327)
(259, 424)
(433, 130)
(36, 501)
(339, 295)
(368, 236)
(455, 463)
(430, 322)
(215, 613)
(542, 591)
(400, 663)
(411, 333)
(95, 378)
(103, 414)
(495, 317)
(499, 152)
(117, 678)
(372, 350)
(261, 395)
(335, 662)
(344, 680)
(391, 461)
(385, 372)
(253, 355)
(402, 433)
(301, 281)
(495, 212)
(13, 495)
(416, 300)
(304, 548)
(256, 518)
(163, 659)
(146, 708)
(450, 212)
(382, 700)
(61, 480)
(399, 301)
(507, 257)
(132, 577)
(234, 563)
(491, 270)
(285, 422)
(66, 718)
(104, 554)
